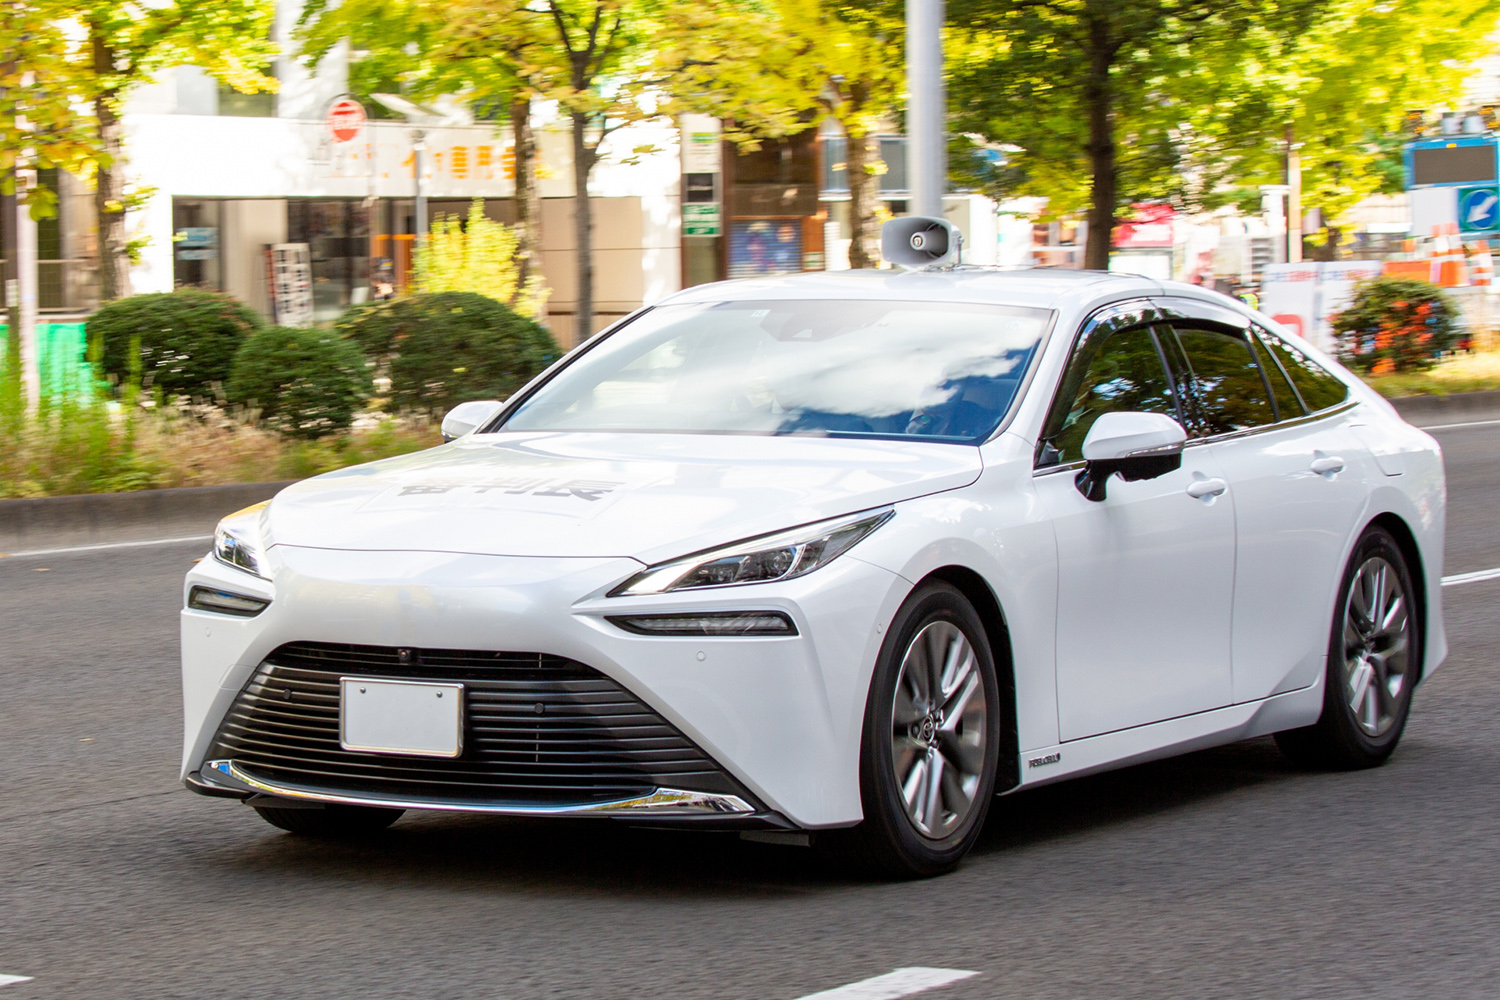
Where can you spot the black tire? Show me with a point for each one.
(890, 841)
(331, 822)
(1344, 738)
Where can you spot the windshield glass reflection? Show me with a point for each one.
(942, 371)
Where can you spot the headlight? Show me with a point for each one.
(765, 559)
(237, 541)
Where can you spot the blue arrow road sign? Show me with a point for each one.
(1479, 210)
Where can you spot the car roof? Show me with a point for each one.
(1037, 287)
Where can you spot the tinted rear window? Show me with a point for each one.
(1318, 387)
(1230, 393)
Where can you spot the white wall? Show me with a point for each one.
(635, 194)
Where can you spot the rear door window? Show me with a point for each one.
(1318, 387)
(1230, 393)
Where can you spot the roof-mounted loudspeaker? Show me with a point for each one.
(914, 241)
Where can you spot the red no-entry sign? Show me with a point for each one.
(345, 118)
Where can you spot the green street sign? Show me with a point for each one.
(702, 219)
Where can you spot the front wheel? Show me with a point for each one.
(931, 741)
(1374, 660)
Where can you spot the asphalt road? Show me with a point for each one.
(1226, 873)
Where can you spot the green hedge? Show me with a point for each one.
(306, 383)
(182, 343)
(445, 348)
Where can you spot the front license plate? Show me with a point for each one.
(378, 716)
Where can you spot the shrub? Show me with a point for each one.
(477, 256)
(307, 383)
(449, 347)
(1396, 324)
(182, 343)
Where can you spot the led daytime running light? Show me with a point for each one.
(708, 623)
(223, 602)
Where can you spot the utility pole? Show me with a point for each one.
(31, 382)
(926, 162)
(1294, 197)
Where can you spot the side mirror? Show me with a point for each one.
(464, 417)
(1136, 445)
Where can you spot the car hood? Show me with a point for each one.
(645, 496)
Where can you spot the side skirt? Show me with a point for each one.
(1230, 724)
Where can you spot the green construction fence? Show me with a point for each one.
(61, 358)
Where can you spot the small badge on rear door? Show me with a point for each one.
(1051, 758)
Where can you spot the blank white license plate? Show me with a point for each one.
(378, 716)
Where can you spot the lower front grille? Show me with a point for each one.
(538, 730)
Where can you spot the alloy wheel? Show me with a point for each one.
(938, 730)
(1377, 645)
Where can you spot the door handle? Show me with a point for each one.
(1327, 466)
(1200, 488)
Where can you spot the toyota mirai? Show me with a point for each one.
(836, 558)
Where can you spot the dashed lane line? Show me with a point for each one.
(902, 982)
(1478, 576)
(1459, 426)
(12, 980)
(106, 545)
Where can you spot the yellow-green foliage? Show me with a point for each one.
(480, 257)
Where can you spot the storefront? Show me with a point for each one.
(227, 190)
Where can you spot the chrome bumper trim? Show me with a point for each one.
(662, 802)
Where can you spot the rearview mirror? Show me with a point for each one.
(1136, 445)
(464, 417)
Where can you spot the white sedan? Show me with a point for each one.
(833, 557)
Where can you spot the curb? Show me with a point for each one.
(1437, 408)
(94, 518)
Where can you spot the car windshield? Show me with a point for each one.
(925, 370)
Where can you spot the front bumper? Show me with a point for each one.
(227, 779)
(779, 717)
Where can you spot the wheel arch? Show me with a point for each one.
(978, 593)
(1406, 541)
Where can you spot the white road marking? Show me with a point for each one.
(9, 980)
(1454, 427)
(107, 545)
(1478, 576)
(900, 983)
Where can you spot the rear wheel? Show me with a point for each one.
(332, 822)
(931, 742)
(1374, 659)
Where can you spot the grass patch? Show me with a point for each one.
(1478, 371)
(91, 445)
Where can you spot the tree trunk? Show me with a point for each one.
(109, 189)
(583, 228)
(1101, 149)
(864, 247)
(528, 196)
